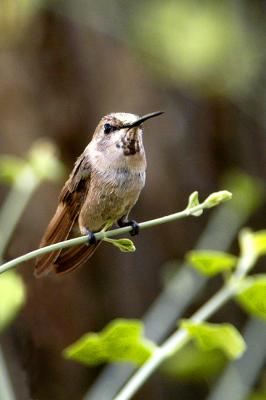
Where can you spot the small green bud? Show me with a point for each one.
(125, 245)
(193, 201)
(216, 198)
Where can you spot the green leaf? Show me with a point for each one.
(252, 295)
(216, 336)
(193, 201)
(125, 245)
(216, 198)
(252, 243)
(194, 364)
(12, 297)
(10, 167)
(211, 262)
(122, 340)
(259, 238)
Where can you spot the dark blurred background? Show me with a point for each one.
(65, 64)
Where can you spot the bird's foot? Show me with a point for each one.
(91, 237)
(133, 224)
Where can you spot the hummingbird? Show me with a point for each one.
(101, 190)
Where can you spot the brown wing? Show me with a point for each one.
(60, 226)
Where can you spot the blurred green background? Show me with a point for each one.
(65, 64)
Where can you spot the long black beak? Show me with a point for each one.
(142, 119)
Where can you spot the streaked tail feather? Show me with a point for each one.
(58, 230)
(73, 257)
(64, 223)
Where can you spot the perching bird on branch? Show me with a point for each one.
(101, 190)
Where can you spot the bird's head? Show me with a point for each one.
(121, 132)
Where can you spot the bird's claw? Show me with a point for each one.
(135, 226)
(91, 237)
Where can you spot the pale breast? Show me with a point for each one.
(112, 194)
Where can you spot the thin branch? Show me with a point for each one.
(195, 210)
(180, 337)
(21, 191)
(15, 204)
(179, 292)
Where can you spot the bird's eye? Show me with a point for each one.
(108, 128)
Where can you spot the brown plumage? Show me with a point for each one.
(103, 187)
(64, 223)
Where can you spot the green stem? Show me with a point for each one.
(99, 236)
(25, 184)
(180, 337)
